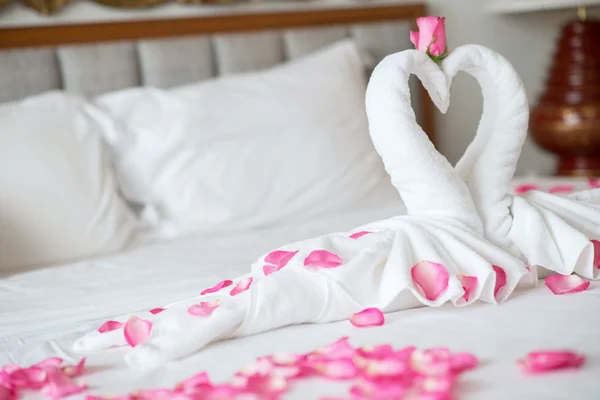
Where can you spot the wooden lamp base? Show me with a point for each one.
(566, 120)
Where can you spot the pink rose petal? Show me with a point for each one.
(204, 309)
(438, 386)
(557, 189)
(551, 360)
(430, 278)
(52, 362)
(339, 349)
(29, 378)
(594, 182)
(323, 259)
(137, 331)
(469, 283)
(269, 269)
(267, 385)
(7, 393)
(73, 371)
(158, 310)
(386, 368)
(461, 362)
(280, 258)
(359, 234)
(217, 287)
(189, 384)
(241, 286)
(596, 245)
(341, 369)
(368, 317)
(524, 188)
(565, 284)
(60, 385)
(500, 279)
(110, 326)
(287, 358)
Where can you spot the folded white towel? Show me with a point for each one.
(544, 230)
(433, 255)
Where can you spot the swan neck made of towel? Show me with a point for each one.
(426, 181)
(490, 161)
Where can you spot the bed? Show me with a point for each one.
(42, 310)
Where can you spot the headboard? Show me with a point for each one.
(147, 48)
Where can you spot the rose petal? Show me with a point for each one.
(110, 326)
(565, 284)
(341, 369)
(341, 348)
(431, 362)
(594, 182)
(500, 279)
(193, 382)
(52, 362)
(430, 278)
(461, 362)
(469, 283)
(439, 385)
(137, 331)
(387, 368)
(29, 378)
(280, 258)
(269, 269)
(368, 317)
(204, 309)
(241, 286)
(217, 287)
(359, 234)
(596, 245)
(414, 38)
(550, 360)
(73, 371)
(7, 393)
(158, 310)
(323, 259)
(524, 188)
(561, 189)
(270, 385)
(287, 358)
(60, 385)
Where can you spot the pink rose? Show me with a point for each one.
(431, 37)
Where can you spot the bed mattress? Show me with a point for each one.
(42, 311)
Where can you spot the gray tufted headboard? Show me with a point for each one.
(88, 58)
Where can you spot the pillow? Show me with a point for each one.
(58, 198)
(250, 150)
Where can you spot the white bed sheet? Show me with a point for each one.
(39, 319)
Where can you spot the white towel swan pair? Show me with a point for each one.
(464, 238)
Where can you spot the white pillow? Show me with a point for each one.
(58, 199)
(253, 149)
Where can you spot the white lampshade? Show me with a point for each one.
(521, 6)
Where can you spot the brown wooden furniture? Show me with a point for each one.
(55, 35)
(566, 120)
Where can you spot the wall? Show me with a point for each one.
(527, 40)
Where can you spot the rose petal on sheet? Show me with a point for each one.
(594, 182)
(7, 393)
(268, 385)
(52, 362)
(73, 371)
(386, 368)
(368, 317)
(359, 234)
(280, 258)
(341, 348)
(29, 378)
(137, 331)
(431, 278)
(500, 279)
(430, 362)
(217, 287)
(461, 362)
(193, 382)
(241, 286)
(565, 284)
(469, 283)
(269, 269)
(287, 358)
(157, 310)
(59, 385)
(110, 326)
(524, 188)
(323, 259)
(596, 245)
(204, 309)
(558, 189)
(340, 369)
(550, 360)
(10, 368)
(441, 386)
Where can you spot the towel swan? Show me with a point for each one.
(552, 231)
(432, 255)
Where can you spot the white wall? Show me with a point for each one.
(527, 40)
